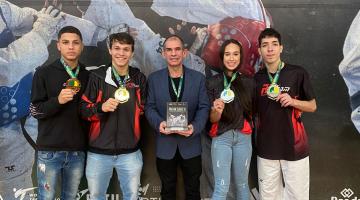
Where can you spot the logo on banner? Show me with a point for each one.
(254, 194)
(142, 191)
(21, 193)
(10, 168)
(81, 194)
(347, 194)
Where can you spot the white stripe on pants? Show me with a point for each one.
(295, 174)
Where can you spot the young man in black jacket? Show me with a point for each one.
(56, 92)
(113, 102)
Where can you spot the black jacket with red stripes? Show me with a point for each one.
(118, 132)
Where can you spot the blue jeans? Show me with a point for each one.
(231, 152)
(66, 165)
(99, 169)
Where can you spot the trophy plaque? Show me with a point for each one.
(176, 116)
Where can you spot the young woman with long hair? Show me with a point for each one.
(230, 123)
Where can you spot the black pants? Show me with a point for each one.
(191, 170)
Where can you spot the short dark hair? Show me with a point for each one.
(223, 46)
(174, 36)
(122, 38)
(269, 32)
(69, 29)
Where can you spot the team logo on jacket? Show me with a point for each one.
(263, 92)
(131, 85)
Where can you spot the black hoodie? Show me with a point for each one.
(60, 125)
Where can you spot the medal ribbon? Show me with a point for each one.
(226, 84)
(178, 90)
(118, 78)
(68, 69)
(276, 77)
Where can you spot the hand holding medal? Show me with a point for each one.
(285, 100)
(121, 94)
(273, 90)
(73, 83)
(227, 95)
(110, 105)
(218, 105)
(66, 95)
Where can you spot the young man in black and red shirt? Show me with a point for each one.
(283, 92)
(113, 103)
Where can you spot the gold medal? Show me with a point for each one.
(73, 84)
(122, 94)
(273, 91)
(227, 95)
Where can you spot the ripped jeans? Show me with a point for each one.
(231, 154)
(68, 166)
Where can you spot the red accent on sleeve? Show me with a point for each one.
(300, 136)
(214, 130)
(137, 116)
(94, 130)
(95, 120)
(247, 128)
